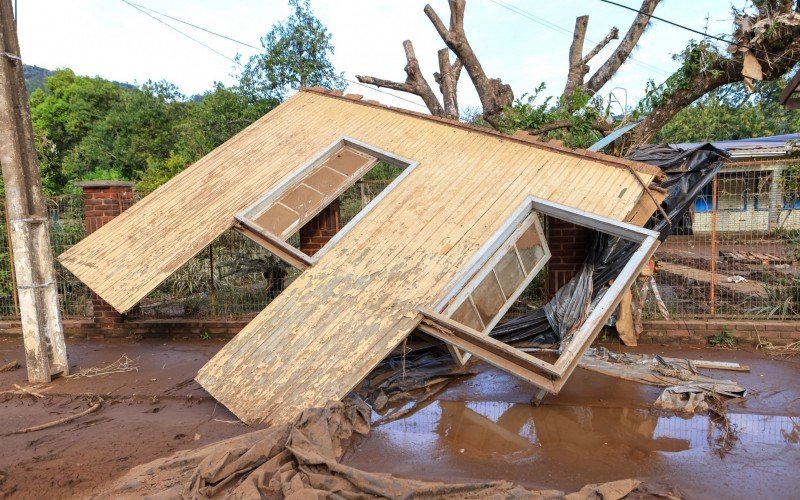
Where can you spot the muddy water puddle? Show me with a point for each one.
(565, 447)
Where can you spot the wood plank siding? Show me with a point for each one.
(342, 316)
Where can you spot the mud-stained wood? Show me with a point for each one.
(342, 316)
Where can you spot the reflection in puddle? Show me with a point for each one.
(521, 432)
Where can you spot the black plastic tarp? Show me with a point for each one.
(686, 173)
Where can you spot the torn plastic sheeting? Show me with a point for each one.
(301, 460)
(686, 173)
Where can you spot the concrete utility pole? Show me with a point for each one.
(45, 351)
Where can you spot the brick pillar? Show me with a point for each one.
(102, 201)
(319, 230)
(569, 245)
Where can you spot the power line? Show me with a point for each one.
(142, 9)
(567, 32)
(182, 33)
(737, 44)
(230, 39)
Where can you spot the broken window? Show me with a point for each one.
(463, 319)
(287, 207)
(497, 283)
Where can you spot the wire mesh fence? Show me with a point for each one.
(66, 229)
(735, 254)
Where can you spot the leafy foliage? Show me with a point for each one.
(159, 171)
(733, 113)
(580, 113)
(297, 53)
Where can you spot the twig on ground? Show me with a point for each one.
(791, 349)
(229, 421)
(123, 364)
(28, 391)
(9, 367)
(60, 421)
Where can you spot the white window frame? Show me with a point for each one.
(549, 377)
(293, 256)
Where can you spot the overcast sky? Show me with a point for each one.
(111, 39)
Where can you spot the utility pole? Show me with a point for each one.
(45, 351)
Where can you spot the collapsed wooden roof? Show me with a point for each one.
(349, 309)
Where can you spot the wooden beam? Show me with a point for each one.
(275, 245)
(479, 344)
(785, 96)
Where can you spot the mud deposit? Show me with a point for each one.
(481, 428)
(602, 429)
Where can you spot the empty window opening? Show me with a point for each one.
(231, 278)
(305, 214)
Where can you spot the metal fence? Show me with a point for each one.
(66, 229)
(735, 254)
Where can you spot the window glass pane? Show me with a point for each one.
(509, 273)
(325, 180)
(530, 249)
(466, 315)
(277, 219)
(348, 161)
(302, 199)
(488, 298)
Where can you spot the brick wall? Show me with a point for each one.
(569, 245)
(102, 201)
(319, 230)
(699, 331)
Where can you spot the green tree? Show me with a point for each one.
(141, 125)
(296, 54)
(733, 113)
(217, 116)
(63, 112)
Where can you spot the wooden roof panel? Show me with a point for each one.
(341, 317)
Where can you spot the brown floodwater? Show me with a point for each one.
(565, 447)
(601, 429)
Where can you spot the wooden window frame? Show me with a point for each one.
(549, 377)
(293, 256)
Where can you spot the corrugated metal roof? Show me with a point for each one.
(776, 145)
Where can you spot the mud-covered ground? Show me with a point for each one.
(480, 428)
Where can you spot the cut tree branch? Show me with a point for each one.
(624, 49)
(447, 78)
(415, 83)
(600, 126)
(494, 95)
(578, 63)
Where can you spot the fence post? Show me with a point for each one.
(711, 299)
(102, 201)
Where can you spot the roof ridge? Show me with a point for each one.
(519, 136)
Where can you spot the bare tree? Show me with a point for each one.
(415, 83)
(494, 95)
(578, 63)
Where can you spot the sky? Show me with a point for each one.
(523, 42)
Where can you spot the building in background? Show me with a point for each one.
(757, 189)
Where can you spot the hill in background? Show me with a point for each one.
(35, 77)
